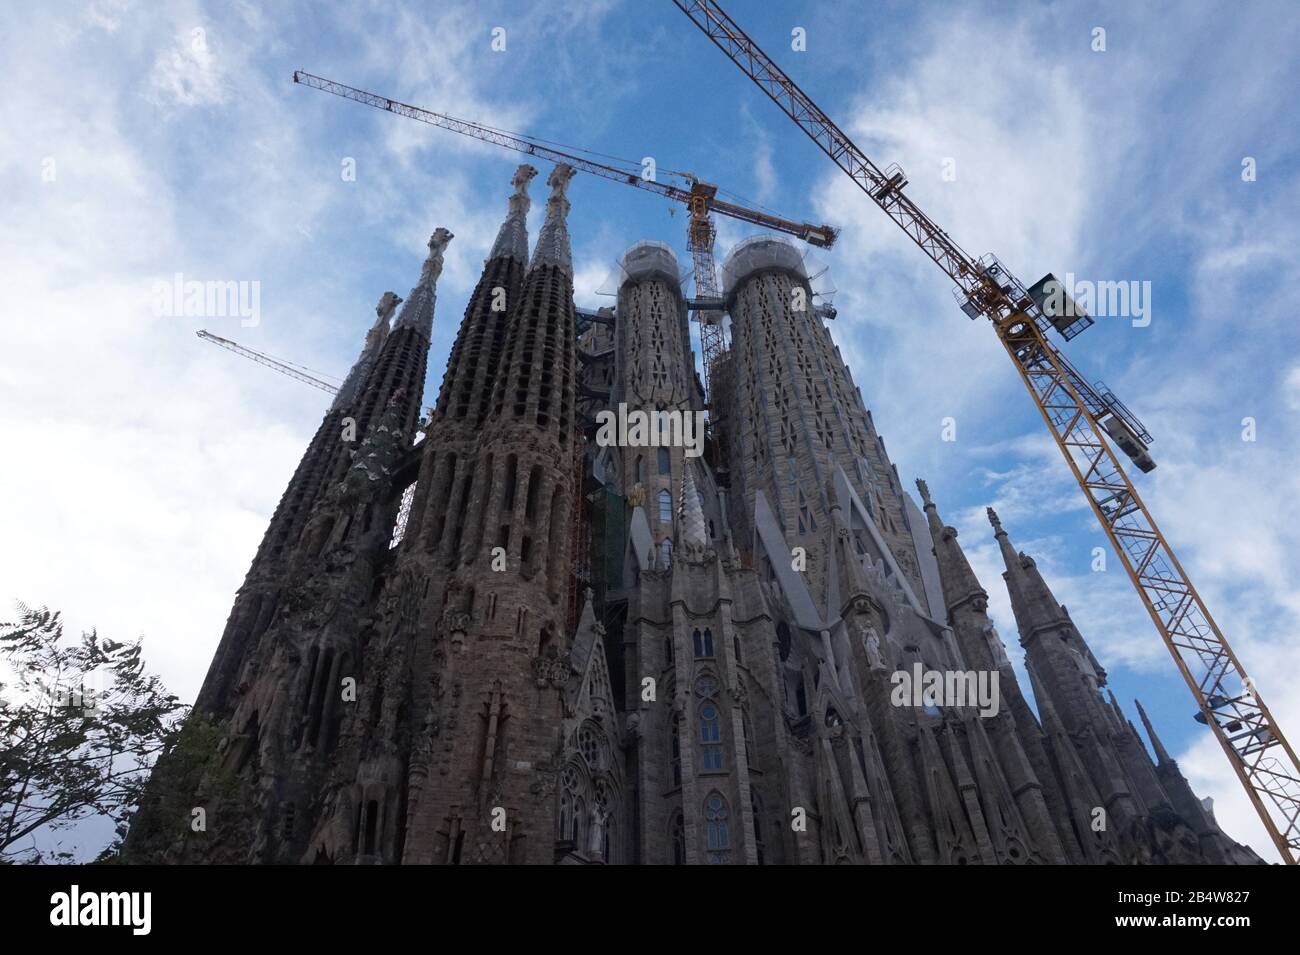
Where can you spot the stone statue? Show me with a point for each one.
(996, 646)
(871, 640)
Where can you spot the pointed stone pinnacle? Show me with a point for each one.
(1162, 755)
(512, 238)
(925, 493)
(997, 524)
(553, 240)
(417, 311)
(387, 305)
(695, 534)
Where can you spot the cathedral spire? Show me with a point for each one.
(959, 582)
(553, 241)
(417, 313)
(370, 351)
(512, 238)
(1032, 600)
(1162, 755)
(1009, 555)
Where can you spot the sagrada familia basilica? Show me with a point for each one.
(485, 636)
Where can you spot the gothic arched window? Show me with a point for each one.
(716, 816)
(677, 833)
(666, 551)
(590, 747)
(665, 507)
(710, 736)
(664, 463)
(710, 721)
(640, 469)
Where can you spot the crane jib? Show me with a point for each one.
(818, 235)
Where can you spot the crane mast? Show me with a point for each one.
(1076, 414)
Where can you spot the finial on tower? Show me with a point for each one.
(387, 305)
(558, 180)
(524, 174)
(925, 492)
(997, 524)
(437, 246)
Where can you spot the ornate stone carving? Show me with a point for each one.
(738, 693)
(551, 667)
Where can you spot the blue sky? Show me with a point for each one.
(146, 463)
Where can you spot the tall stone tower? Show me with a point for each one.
(494, 676)
(797, 420)
(330, 449)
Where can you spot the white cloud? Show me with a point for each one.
(188, 74)
(1291, 388)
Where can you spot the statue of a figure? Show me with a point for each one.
(871, 640)
(596, 832)
(996, 647)
(636, 496)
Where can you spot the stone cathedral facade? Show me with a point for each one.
(486, 636)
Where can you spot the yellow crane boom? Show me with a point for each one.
(1076, 414)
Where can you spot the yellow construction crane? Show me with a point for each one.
(1076, 414)
(700, 198)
